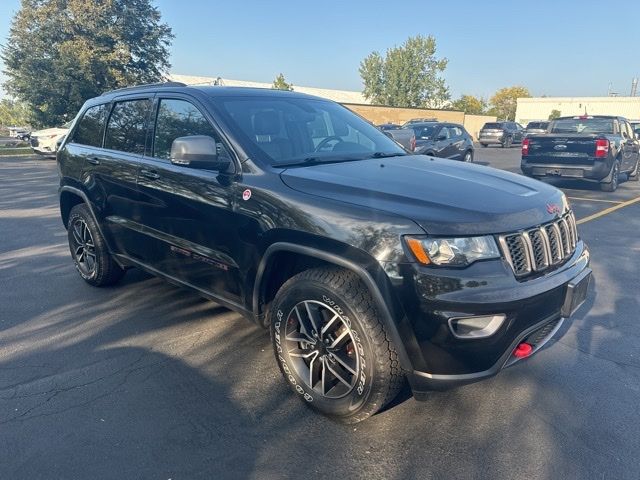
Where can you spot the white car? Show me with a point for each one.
(45, 142)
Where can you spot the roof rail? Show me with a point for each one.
(148, 85)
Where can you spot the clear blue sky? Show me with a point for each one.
(555, 48)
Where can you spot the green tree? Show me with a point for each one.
(555, 114)
(281, 84)
(470, 104)
(504, 102)
(407, 76)
(59, 53)
(13, 113)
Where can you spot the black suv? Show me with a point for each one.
(368, 265)
(504, 134)
(445, 140)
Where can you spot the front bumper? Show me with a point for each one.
(597, 171)
(431, 296)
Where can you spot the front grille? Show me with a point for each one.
(538, 249)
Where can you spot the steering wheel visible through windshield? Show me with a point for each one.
(297, 130)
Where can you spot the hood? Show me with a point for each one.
(444, 197)
(50, 131)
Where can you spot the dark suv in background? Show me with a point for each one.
(367, 264)
(504, 134)
(444, 140)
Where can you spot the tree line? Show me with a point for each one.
(59, 53)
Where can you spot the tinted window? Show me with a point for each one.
(538, 125)
(178, 118)
(290, 129)
(91, 126)
(493, 125)
(456, 131)
(127, 126)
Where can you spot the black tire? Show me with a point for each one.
(337, 299)
(635, 173)
(612, 186)
(468, 156)
(507, 142)
(89, 250)
(484, 145)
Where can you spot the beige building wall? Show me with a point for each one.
(380, 114)
(539, 108)
(473, 123)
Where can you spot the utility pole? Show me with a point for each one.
(634, 87)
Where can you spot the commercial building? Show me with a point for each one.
(539, 108)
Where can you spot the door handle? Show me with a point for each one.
(93, 160)
(150, 174)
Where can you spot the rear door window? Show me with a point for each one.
(91, 127)
(493, 126)
(127, 126)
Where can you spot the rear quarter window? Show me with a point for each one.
(493, 126)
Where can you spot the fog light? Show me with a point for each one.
(476, 327)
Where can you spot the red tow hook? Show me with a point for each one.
(523, 350)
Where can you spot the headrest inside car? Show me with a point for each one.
(266, 123)
(340, 127)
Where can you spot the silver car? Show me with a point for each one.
(536, 127)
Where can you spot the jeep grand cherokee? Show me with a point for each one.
(367, 264)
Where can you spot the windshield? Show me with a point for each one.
(538, 125)
(425, 133)
(290, 130)
(492, 126)
(582, 125)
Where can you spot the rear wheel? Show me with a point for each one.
(507, 142)
(468, 156)
(612, 186)
(89, 250)
(331, 344)
(634, 175)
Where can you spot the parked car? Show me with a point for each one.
(45, 141)
(367, 264)
(445, 140)
(404, 136)
(596, 148)
(23, 136)
(635, 125)
(536, 127)
(504, 134)
(418, 120)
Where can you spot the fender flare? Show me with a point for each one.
(85, 199)
(387, 318)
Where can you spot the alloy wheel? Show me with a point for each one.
(322, 349)
(84, 248)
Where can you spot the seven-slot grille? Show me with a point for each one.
(540, 248)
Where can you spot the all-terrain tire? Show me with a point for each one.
(334, 297)
(89, 250)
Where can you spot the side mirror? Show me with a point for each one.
(198, 151)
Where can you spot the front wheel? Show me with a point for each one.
(507, 142)
(468, 156)
(331, 345)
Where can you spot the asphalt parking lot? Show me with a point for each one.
(146, 380)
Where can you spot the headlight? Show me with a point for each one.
(457, 252)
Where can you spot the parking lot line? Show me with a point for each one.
(609, 210)
(594, 200)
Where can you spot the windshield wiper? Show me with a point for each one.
(302, 161)
(386, 154)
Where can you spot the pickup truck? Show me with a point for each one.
(590, 147)
(404, 136)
